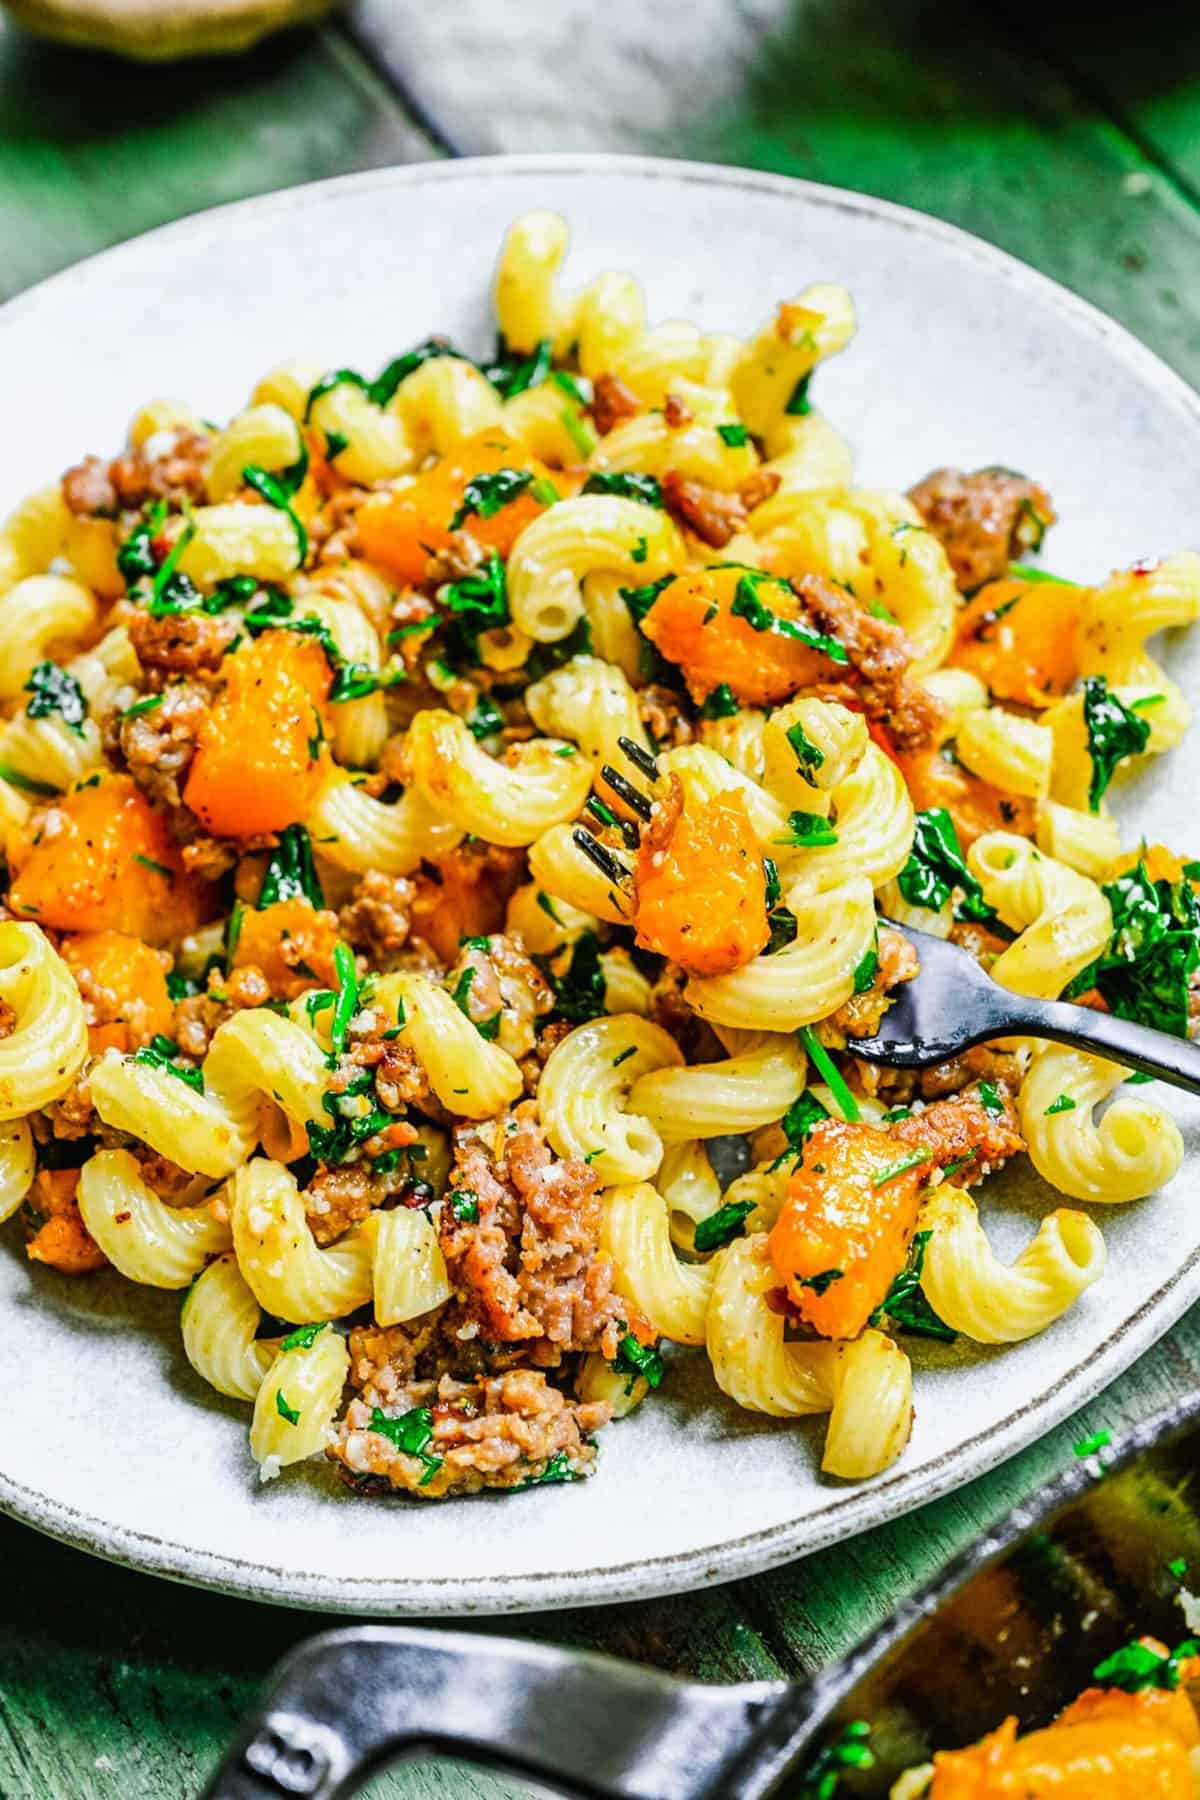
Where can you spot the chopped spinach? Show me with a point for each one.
(290, 1413)
(733, 435)
(808, 831)
(721, 703)
(484, 495)
(511, 373)
(637, 1359)
(556, 1470)
(905, 1303)
(304, 1336)
(748, 605)
(1137, 1667)
(55, 690)
(722, 1226)
(411, 1433)
(799, 403)
(1145, 971)
(291, 873)
(821, 1282)
(579, 992)
(277, 491)
(160, 1053)
(809, 757)
(936, 867)
(1114, 732)
(623, 486)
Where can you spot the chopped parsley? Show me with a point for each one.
(733, 435)
(291, 873)
(936, 868)
(464, 1204)
(478, 603)
(558, 1469)
(55, 690)
(1137, 1667)
(160, 1053)
(290, 1413)
(511, 373)
(798, 404)
(830, 1074)
(821, 1779)
(624, 486)
(901, 1166)
(722, 1226)
(808, 831)
(809, 757)
(866, 971)
(1113, 733)
(905, 1303)
(721, 703)
(1144, 974)
(990, 1100)
(821, 1282)
(346, 1004)
(156, 868)
(748, 605)
(580, 991)
(145, 705)
(411, 1433)
(304, 1336)
(639, 1360)
(1088, 1446)
(484, 495)
(1063, 1104)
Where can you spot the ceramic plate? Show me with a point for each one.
(964, 356)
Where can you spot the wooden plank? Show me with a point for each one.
(949, 111)
(126, 1688)
(93, 150)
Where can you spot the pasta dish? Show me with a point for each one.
(438, 804)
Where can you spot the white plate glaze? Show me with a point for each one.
(964, 356)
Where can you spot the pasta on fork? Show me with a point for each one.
(439, 804)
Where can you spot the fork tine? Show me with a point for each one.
(633, 797)
(603, 858)
(641, 759)
(605, 815)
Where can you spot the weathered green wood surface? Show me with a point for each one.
(1076, 145)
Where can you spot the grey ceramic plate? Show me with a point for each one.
(964, 356)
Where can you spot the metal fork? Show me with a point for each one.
(953, 1004)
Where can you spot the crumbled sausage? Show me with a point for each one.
(378, 917)
(677, 412)
(879, 654)
(158, 746)
(500, 1431)
(663, 714)
(182, 643)
(714, 516)
(612, 403)
(984, 520)
(897, 962)
(500, 989)
(170, 466)
(198, 1015)
(529, 1266)
(965, 1136)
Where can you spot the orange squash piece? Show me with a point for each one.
(260, 756)
(463, 894)
(103, 859)
(847, 1212)
(292, 944)
(974, 805)
(693, 624)
(403, 528)
(124, 984)
(1103, 1759)
(59, 1236)
(1019, 637)
(701, 886)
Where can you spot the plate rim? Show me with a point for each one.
(902, 1490)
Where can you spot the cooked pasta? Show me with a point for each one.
(441, 804)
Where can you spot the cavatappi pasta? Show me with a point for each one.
(441, 802)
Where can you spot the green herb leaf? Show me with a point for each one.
(821, 1282)
(901, 1166)
(822, 1778)
(276, 491)
(411, 1433)
(1145, 971)
(638, 1359)
(830, 1074)
(809, 757)
(798, 404)
(486, 719)
(866, 971)
(1088, 1446)
(464, 1204)
(384, 386)
(783, 930)
(808, 831)
(304, 1336)
(623, 486)
(771, 880)
(486, 494)
(511, 373)
(721, 703)
(936, 867)
(1113, 733)
(1063, 1104)
(733, 435)
(580, 991)
(290, 1413)
(291, 873)
(558, 1469)
(1137, 1667)
(748, 605)
(156, 868)
(160, 1053)
(990, 1100)
(55, 690)
(135, 557)
(346, 1004)
(145, 705)
(479, 603)
(905, 1303)
(722, 1226)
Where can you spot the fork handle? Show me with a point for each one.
(1172, 1059)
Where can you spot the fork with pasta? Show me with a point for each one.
(350, 988)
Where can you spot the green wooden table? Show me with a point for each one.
(1063, 135)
